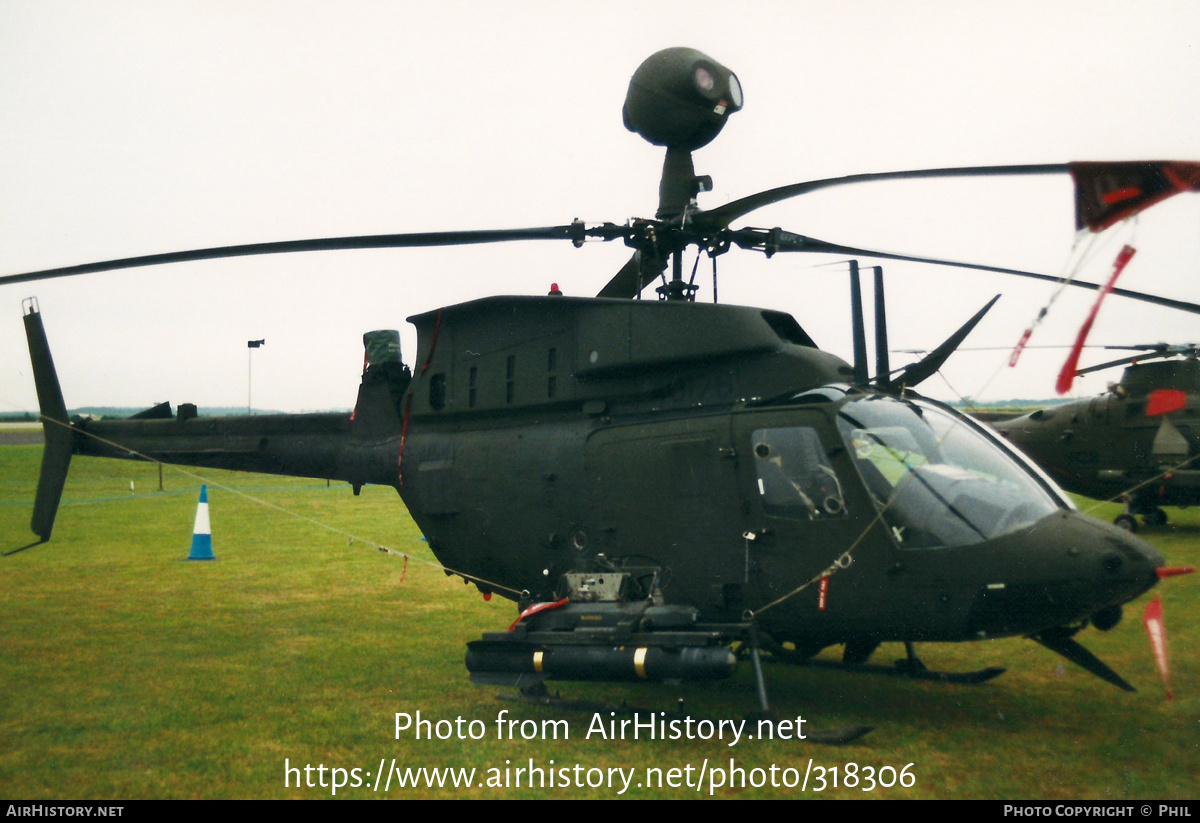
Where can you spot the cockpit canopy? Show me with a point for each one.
(936, 479)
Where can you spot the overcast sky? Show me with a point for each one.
(130, 128)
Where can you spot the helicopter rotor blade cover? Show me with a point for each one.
(1105, 192)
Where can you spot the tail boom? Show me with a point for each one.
(360, 448)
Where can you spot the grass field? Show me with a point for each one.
(128, 673)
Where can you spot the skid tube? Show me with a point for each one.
(910, 667)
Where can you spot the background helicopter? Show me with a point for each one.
(782, 465)
(1137, 440)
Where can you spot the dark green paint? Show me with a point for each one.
(1104, 446)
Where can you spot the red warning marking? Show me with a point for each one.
(1173, 571)
(1118, 195)
(1164, 401)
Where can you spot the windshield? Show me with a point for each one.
(938, 481)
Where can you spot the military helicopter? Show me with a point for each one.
(1136, 441)
(656, 481)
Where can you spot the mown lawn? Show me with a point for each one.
(126, 672)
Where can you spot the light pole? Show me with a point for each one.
(251, 345)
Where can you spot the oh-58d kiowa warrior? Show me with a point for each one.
(657, 482)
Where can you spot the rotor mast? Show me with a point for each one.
(676, 193)
(678, 98)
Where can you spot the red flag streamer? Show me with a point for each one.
(1020, 347)
(1067, 376)
(1063, 282)
(821, 592)
(1152, 619)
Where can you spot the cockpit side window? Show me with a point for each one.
(795, 477)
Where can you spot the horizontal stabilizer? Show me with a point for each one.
(162, 411)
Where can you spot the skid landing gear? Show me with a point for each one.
(841, 735)
(911, 667)
(1155, 517)
(1127, 522)
(1151, 515)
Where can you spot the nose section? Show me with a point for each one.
(1128, 563)
(1060, 571)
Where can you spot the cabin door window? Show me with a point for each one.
(795, 477)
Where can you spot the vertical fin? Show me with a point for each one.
(56, 459)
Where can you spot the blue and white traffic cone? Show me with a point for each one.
(202, 548)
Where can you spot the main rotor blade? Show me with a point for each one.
(575, 232)
(1120, 362)
(1105, 192)
(721, 217)
(1165, 349)
(811, 244)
